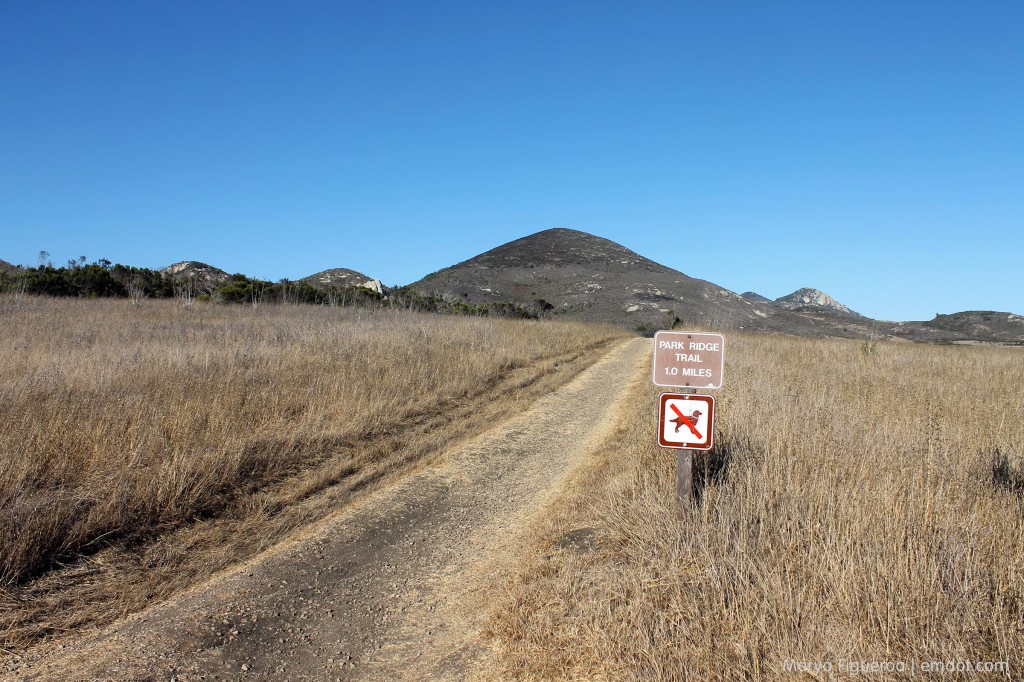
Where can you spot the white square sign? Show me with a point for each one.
(686, 421)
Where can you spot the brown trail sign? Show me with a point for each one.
(686, 421)
(689, 359)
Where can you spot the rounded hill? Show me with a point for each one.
(336, 277)
(564, 272)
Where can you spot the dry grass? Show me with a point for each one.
(142, 448)
(858, 507)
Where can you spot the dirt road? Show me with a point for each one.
(380, 590)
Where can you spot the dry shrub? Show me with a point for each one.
(855, 510)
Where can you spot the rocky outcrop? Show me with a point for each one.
(804, 299)
(337, 278)
(204, 276)
(375, 285)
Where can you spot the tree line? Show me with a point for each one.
(103, 279)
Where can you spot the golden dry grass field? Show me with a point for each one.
(860, 509)
(143, 448)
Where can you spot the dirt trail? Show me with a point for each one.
(380, 590)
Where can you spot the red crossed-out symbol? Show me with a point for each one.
(685, 420)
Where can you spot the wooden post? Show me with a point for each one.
(684, 479)
(684, 472)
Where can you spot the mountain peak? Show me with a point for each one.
(577, 275)
(338, 277)
(560, 247)
(813, 298)
(205, 275)
(187, 267)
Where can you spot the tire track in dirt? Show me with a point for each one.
(380, 590)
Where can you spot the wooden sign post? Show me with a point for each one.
(684, 472)
(686, 420)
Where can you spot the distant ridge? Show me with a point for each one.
(981, 325)
(572, 274)
(565, 273)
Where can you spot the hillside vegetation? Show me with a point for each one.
(142, 447)
(204, 283)
(863, 504)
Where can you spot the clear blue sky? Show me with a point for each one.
(874, 150)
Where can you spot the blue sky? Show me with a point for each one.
(874, 150)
